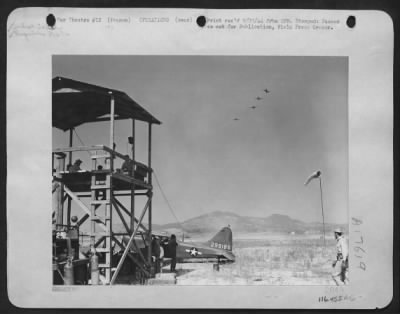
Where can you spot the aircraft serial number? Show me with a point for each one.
(220, 246)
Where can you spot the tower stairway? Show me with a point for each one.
(101, 219)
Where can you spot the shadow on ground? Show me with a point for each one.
(180, 272)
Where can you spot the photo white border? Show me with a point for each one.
(30, 46)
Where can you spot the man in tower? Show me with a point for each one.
(128, 166)
(76, 166)
(341, 264)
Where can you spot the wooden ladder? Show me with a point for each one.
(101, 198)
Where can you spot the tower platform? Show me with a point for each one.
(82, 181)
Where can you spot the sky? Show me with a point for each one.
(205, 160)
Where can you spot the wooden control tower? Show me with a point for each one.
(76, 103)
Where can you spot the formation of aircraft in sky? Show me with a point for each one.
(258, 98)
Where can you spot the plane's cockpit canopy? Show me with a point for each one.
(75, 103)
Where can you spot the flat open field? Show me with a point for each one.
(268, 260)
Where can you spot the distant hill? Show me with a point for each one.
(275, 223)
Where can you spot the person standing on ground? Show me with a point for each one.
(155, 253)
(172, 251)
(161, 257)
(341, 264)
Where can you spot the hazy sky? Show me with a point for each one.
(206, 161)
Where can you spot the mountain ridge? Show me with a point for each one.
(277, 223)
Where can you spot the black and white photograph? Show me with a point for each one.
(213, 159)
(200, 170)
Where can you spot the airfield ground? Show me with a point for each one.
(263, 259)
(270, 259)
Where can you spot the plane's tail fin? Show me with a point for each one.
(222, 240)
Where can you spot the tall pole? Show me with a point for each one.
(150, 192)
(69, 163)
(70, 145)
(133, 174)
(109, 193)
(112, 109)
(60, 192)
(322, 207)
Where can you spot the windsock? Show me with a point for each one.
(315, 175)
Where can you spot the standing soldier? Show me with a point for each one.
(156, 252)
(172, 251)
(341, 264)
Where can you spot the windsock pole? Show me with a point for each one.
(322, 207)
(318, 174)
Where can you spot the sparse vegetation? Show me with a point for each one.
(281, 261)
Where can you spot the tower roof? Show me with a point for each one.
(76, 103)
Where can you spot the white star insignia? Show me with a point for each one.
(193, 251)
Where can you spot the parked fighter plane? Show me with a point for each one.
(219, 248)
